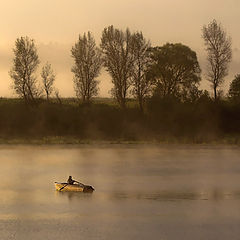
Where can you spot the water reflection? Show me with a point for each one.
(74, 195)
(141, 193)
(214, 195)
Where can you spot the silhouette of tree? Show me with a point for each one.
(48, 78)
(219, 53)
(118, 60)
(25, 63)
(234, 90)
(87, 65)
(56, 91)
(141, 82)
(194, 94)
(175, 69)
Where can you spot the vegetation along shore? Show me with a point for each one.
(155, 94)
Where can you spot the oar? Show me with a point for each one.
(63, 187)
(80, 183)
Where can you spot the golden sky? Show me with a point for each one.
(55, 25)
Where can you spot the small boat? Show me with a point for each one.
(73, 187)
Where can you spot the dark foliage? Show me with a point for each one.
(175, 70)
(234, 90)
(166, 119)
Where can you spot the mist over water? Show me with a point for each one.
(142, 192)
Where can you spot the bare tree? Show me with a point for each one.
(219, 53)
(58, 96)
(141, 82)
(48, 78)
(25, 63)
(118, 60)
(87, 65)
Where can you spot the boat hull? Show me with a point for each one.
(65, 187)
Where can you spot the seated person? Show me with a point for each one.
(71, 181)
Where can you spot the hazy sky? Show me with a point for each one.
(55, 25)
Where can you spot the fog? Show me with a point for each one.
(141, 191)
(59, 55)
(56, 24)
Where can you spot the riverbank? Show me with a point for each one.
(59, 140)
(164, 121)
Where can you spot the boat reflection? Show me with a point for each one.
(74, 195)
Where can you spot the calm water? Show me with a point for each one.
(142, 192)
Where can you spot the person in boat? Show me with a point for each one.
(71, 181)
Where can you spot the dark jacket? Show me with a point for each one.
(70, 181)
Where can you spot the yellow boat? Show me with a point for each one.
(73, 187)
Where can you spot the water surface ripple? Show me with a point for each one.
(142, 192)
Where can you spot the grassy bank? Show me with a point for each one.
(164, 121)
(75, 141)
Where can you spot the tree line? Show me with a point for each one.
(156, 89)
(136, 68)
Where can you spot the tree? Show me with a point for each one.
(234, 90)
(48, 78)
(118, 60)
(219, 53)
(175, 69)
(87, 65)
(25, 63)
(56, 91)
(141, 82)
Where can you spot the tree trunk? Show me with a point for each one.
(123, 103)
(215, 93)
(140, 102)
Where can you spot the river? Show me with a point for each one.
(142, 192)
